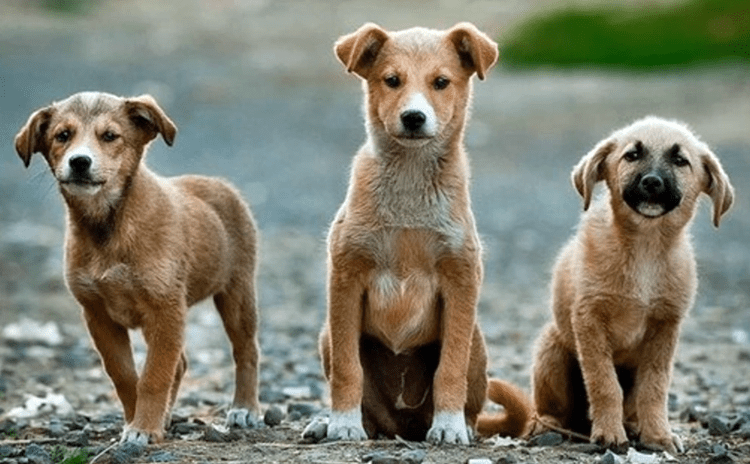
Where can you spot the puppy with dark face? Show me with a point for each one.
(623, 284)
(140, 249)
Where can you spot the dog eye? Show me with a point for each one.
(632, 155)
(109, 136)
(440, 83)
(63, 136)
(680, 161)
(392, 81)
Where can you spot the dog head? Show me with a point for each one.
(93, 142)
(655, 168)
(416, 81)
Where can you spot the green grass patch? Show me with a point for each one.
(694, 32)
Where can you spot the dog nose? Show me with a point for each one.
(652, 184)
(80, 163)
(413, 120)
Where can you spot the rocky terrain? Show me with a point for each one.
(260, 100)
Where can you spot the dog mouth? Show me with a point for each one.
(85, 185)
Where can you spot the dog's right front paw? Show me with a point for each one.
(346, 425)
(449, 428)
(242, 418)
(610, 437)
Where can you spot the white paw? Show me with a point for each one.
(317, 429)
(346, 425)
(242, 418)
(449, 428)
(134, 436)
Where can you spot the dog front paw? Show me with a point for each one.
(668, 442)
(140, 438)
(346, 426)
(449, 428)
(242, 418)
(610, 437)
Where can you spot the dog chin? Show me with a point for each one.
(82, 188)
(413, 141)
(651, 210)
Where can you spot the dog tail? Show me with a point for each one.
(518, 411)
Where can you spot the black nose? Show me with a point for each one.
(652, 184)
(80, 163)
(413, 120)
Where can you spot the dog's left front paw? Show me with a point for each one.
(449, 428)
(137, 437)
(242, 418)
(670, 443)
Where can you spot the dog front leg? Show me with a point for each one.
(163, 331)
(459, 286)
(346, 374)
(600, 378)
(653, 377)
(113, 344)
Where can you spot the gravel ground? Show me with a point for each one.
(259, 99)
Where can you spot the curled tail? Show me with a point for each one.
(518, 411)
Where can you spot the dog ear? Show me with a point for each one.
(475, 49)
(31, 138)
(717, 185)
(149, 117)
(590, 170)
(358, 50)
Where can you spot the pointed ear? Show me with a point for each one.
(590, 170)
(476, 50)
(717, 185)
(31, 138)
(357, 51)
(150, 118)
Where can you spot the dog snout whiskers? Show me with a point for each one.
(80, 164)
(413, 120)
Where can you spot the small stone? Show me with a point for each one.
(303, 409)
(162, 456)
(693, 413)
(413, 456)
(744, 431)
(126, 452)
(213, 435)
(37, 455)
(6, 451)
(546, 439)
(509, 458)
(634, 457)
(79, 439)
(185, 428)
(723, 459)
(479, 461)
(56, 429)
(273, 416)
(380, 457)
(611, 458)
(585, 448)
(718, 425)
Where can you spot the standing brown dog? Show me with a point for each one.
(623, 284)
(140, 249)
(401, 347)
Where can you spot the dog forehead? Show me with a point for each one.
(87, 106)
(658, 135)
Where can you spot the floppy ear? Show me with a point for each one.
(150, 118)
(590, 170)
(475, 49)
(717, 185)
(358, 50)
(31, 138)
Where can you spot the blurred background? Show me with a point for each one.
(260, 99)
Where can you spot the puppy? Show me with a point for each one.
(623, 284)
(140, 249)
(401, 347)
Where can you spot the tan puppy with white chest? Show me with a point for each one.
(140, 249)
(624, 283)
(401, 347)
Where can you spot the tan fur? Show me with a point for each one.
(140, 249)
(404, 258)
(622, 286)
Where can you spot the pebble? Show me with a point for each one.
(408, 457)
(126, 453)
(744, 431)
(30, 331)
(479, 461)
(273, 416)
(37, 455)
(509, 458)
(162, 456)
(610, 458)
(213, 434)
(719, 425)
(546, 439)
